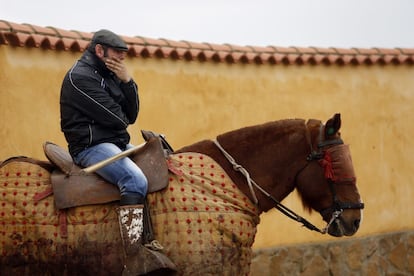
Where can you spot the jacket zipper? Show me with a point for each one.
(90, 135)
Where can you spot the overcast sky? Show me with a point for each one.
(301, 23)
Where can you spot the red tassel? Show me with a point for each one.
(326, 164)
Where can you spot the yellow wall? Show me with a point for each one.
(191, 101)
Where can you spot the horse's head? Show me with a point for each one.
(328, 184)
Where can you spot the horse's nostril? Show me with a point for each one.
(356, 223)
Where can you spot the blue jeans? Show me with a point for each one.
(124, 172)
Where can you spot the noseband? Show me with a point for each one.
(337, 206)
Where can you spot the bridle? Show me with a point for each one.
(322, 156)
(337, 206)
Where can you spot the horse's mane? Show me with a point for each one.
(279, 130)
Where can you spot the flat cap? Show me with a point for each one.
(110, 39)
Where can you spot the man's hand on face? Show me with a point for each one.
(118, 67)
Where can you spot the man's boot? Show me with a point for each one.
(139, 260)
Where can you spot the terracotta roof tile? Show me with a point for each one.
(403, 59)
(365, 51)
(50, 42)
(18, 27)
(188, 55)
(84, 35)
(305, 50)
(361, 59)
(237, 48)
(145, 53)
(166, 52)
(196, 45)
(17, 39)
(285, 50)
(134, 40)
(406, 51)
(151, 41)
(194, 52)
(349, 59)
(294, 59)
(277, 58)
(219, 47)
(386, 51)
(342, 51)
(317, 59)
(374, 59)
(240, 56)
(307, 59)
(176, 54)
(206, 55)
(135, 50)
(259, 49)
(175, 44)
(34, 40)
(65, 33)
(156, 51)
(41, 30)
(27, 35)
(324, 51)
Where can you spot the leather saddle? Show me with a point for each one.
(72, 187)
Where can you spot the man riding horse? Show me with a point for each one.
(98, 101)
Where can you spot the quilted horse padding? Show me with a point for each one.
(205, 223)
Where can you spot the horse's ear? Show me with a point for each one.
(333, 125)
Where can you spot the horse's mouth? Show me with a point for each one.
(341, 228)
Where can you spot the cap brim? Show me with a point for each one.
(120, 49)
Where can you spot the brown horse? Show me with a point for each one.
(207, 216)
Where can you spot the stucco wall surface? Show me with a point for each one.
(191, 101)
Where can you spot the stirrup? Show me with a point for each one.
(154, 245)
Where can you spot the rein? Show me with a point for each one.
(337, 207)
(279, 206)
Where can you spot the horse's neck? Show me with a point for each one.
(272, 153)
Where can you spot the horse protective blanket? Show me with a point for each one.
(206, 225)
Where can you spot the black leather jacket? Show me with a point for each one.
(95, 106)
